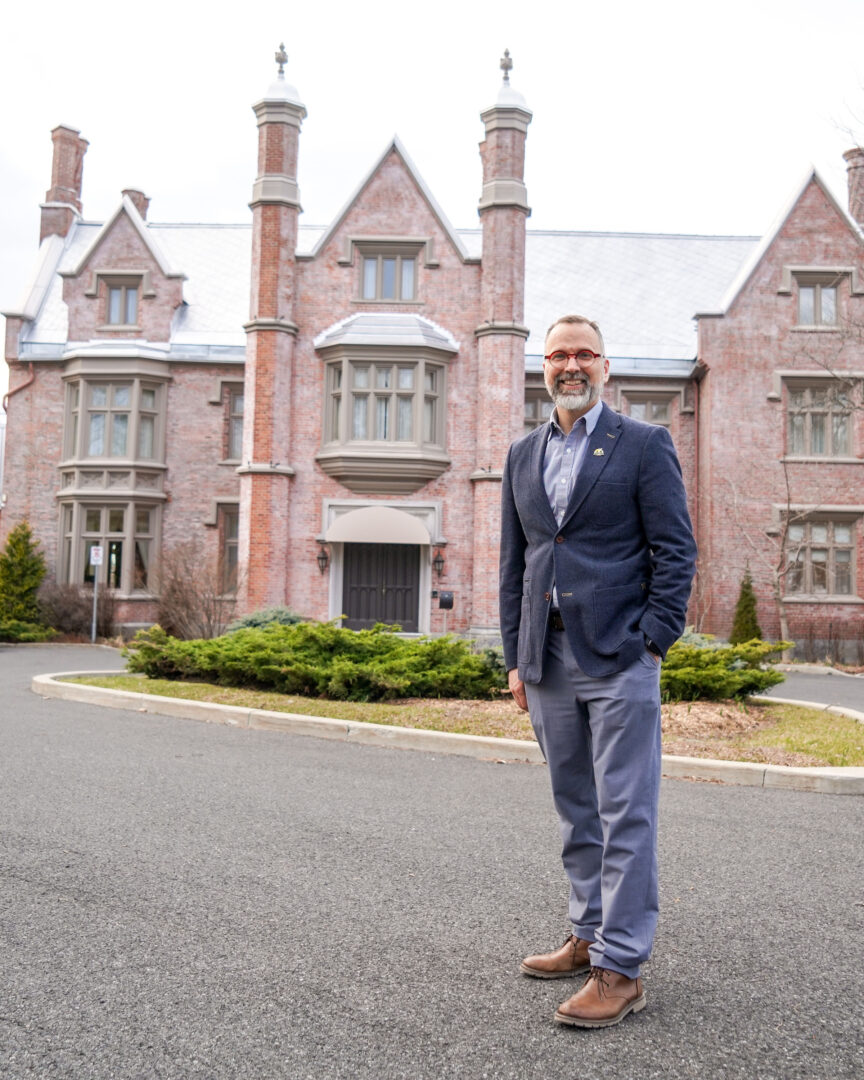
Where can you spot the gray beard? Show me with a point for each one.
(575, 402)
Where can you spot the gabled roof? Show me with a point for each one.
(748, 268)
(126, 207)
(441, 217)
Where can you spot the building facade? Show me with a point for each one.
(323, 413)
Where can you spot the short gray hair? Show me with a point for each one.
(579, 319)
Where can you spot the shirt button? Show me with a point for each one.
(559, 539)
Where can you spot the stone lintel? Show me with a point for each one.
(513, 329)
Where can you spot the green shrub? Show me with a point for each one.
(745, 625)
(22, 568)
(713, 673)
(17, 630)
(322, 660)
(266, 617)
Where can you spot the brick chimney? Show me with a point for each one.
(63, 199)
(854, 159)
(139, 200)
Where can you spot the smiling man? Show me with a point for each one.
(597, 560)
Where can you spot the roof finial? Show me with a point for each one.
(506, 65)
(281, 60)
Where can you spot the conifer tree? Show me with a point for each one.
(745, 625)
(22, 568)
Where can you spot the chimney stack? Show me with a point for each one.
(139, 200)
(63, 199)
(854, 159)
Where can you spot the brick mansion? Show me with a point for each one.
(312, 407)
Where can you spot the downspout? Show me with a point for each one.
(20, 386)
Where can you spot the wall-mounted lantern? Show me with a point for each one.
(323, 559)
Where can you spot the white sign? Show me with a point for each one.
(96, 556)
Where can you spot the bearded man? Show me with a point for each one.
(597, 560)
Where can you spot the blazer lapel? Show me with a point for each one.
(538, 456)
(600, 448)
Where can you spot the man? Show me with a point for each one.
(597, 560)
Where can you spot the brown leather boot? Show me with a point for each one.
(570, 959)
(605, 999)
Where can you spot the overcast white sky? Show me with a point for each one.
(663, 116)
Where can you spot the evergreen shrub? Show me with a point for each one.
(20, 631)
(716, 672)
(323, 660)
(745, 625)
(266, 617)
(22, 568)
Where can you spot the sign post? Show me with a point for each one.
(95, 562)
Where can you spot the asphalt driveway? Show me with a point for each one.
(181, 899)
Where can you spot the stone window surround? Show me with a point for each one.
(420, 248)
(374, 467)
(109, 371)
(120, 276)
(793, 275)
(804, 515)
(221, 396)
(75, 542)
(781, 377)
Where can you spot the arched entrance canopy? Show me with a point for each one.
(378, 525)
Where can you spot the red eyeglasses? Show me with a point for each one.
(583, 358)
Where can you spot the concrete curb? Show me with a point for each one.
(827, 780)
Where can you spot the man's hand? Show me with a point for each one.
(517, 689)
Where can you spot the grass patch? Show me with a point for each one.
(742, 731)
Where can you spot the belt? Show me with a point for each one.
(555, 621)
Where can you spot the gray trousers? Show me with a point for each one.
(601, 739)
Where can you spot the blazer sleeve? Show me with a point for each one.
(511, 567)
(666, 521)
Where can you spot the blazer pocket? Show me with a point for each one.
(617, 612)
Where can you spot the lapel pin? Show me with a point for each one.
(598, 452)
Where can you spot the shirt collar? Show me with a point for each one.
(591, 418)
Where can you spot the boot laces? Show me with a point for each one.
(599, 975)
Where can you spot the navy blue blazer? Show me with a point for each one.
(622, 558)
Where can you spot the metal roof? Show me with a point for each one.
(643, 289)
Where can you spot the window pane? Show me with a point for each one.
(819, 569)
(115, 301)
(795, 577)
(336, 377)
(73, 395)
(232, 524)
(119, 431)
(121, 397)
(142, 521)
(92, 520)
(148, 399)
(146, 427)
(96, 442)
(361, 376)
(382, 418)
(382, 377)
(796, 532)
(142, 563)
(370, 270)
(337, 413)
(660, 412)
(817, 433)
(115, 563)
(430, 380)
(819, 534)
(115, 520)
(131, 306)
(806, 305)
(637, 410)
(405, 427)
(843, 572)
(842, 534)
(388, 279)
(89, 571)
(839, 434)
(829, 305)
(98, 395)
(358, 425)
(72, 445)
(429, 414)
(407, 279)
(406, 378)
(796, 434)
(235, 439)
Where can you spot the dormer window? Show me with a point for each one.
(122, 302)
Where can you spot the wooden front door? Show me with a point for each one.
(381, 584)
